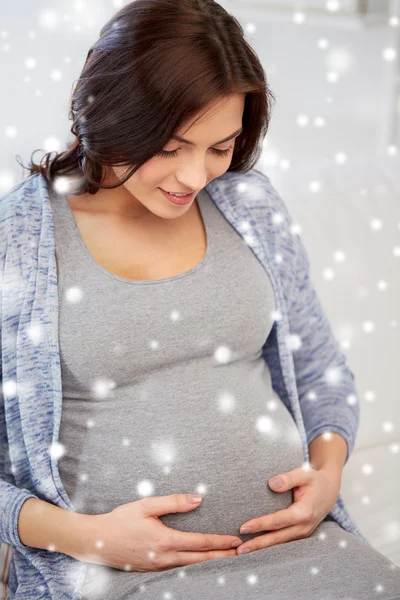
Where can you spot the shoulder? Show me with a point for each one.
(21, 210)
(23, 194)
(280, 220)
(256, 206)
(251, 197)
(255, 190)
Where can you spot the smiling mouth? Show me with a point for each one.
(182, 193)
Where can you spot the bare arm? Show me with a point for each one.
(49, 527)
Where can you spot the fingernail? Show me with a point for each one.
(277, 483)
(244, 550)
(236, 544)
(193, 499)
(246, 530)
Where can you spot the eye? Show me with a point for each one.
(174, 152)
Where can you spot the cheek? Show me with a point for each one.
(219, 168)
(155, 170)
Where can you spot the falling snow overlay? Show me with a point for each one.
(333, 153)
(250, 204)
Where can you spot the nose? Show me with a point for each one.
(192, 178)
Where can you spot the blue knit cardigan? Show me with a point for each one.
(30, 407)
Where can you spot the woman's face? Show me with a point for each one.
(189, 169)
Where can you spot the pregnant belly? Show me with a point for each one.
(227, 456)
(231, 471)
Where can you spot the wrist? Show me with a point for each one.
(331, 469)
(328, 452)
(80, 544)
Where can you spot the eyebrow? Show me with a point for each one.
(179, 139)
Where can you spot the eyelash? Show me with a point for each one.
(166, 154)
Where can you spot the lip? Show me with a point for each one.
(180, 201)
(186, 193)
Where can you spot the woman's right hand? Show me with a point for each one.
(132, 537)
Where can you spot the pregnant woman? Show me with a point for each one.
(161, 337)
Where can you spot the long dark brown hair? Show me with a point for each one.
(156, 65)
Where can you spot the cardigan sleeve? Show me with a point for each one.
(325, 384)
(11, 497)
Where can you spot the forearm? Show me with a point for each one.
(48, 527)
(328, 452)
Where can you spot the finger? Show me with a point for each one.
(273, 539)
(178, 559)
(290, 479)
(163, 505)
(287, 517)
(182, 540)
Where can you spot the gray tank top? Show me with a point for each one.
(164, 386)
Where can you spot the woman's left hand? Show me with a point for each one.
(315, 492)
